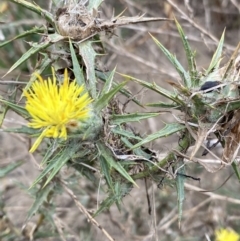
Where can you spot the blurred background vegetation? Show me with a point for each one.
(134, 53)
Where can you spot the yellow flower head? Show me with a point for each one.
(226, 235)
(56, 107)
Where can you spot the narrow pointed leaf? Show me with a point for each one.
(108, 84)
(125, 133)
(103, 101)
(37, 9)
(52, 38)
(41, 197)
(235, 168)
(104, 76)
(67, 154)
(78, 72)
(112, 162)
(16, 108)
(22, 35)
(152, 86)
(25, 130)
(10, 167)
(88, 54)
(57, 163)
(120, 119)
(180, 192)
(217, 56)
(163, 105)
(168, 130)
(105, 168)
(181, 71)
(190, 57)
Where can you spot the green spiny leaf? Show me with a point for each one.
(16, 108)
(24, 34)
(41, 197)
(235, 168)
(193, 81)
(52, 38)
(25, 130)
(120, 119)
(125, 133)
(105, 168)
(180, 192)
(112, 162)
(88, 54)
(57, 162)
(104, 76)
(67, 154)
(216, 57)
(108, 84)
(168, 130)
(170, 95)
(103, 101)
(183, 74)
(78, 72)
(37, 9)
(162, 105)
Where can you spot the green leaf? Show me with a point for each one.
(37, 9)
(235, 168)
(24, 34)
(67, 154)
(104, 100)
(193, 81)
(88, 54)
(52, 38)
(25, 130)
(41, 197)
(78, 72)
(163, 105)
(120, 190)
(170, 95)
(125, 133)
(10, 167)
(180, 192)
(217, 56)
(16, 108)
(57, 163)
(105, 168)
(168, 130)
(105, 152)
(120, 119)
(108, 83)
(183, 74)
(105, 75)
(106, 204)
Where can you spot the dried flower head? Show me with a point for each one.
(56, 107)
(226, 235)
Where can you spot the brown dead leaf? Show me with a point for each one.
(231, 134)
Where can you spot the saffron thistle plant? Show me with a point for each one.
(80, 123)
